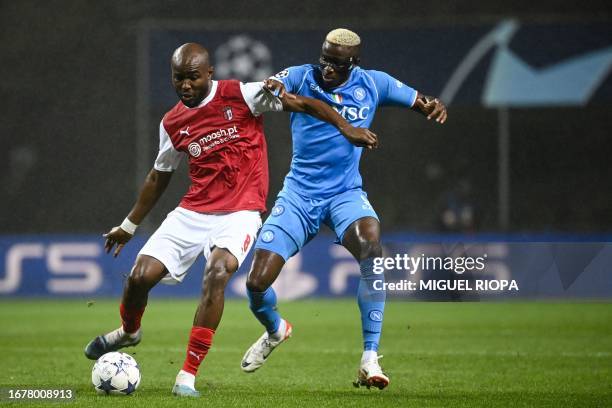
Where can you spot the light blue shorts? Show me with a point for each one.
(295, 220)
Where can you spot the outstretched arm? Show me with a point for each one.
(153, 187)
(393, 92)
(322, 111)
(431, 107)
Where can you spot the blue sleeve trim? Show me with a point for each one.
(374, 84)
(303, 80)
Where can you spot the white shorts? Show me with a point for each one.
(185, 234)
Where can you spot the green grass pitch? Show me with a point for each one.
(436, 354)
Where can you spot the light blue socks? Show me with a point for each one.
(263, 306)
(371, 304)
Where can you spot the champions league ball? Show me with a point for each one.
(115, 373)
(243, 58)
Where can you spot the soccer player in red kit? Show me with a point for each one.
(218, 126)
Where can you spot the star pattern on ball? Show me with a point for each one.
(119, 365)
(130, 388)
(106, 386)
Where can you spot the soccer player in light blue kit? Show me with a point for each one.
(324, 186)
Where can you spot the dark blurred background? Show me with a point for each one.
(83, 86)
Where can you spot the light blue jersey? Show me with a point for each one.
(324, 163)
(324, 187)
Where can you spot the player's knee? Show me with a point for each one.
(256, 283)
(138, 276)
(370, 249)
(218, 274)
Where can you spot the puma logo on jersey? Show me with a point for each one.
(185, 132)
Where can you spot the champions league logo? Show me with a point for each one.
(194, 149)
(283, 74)
(243, 58)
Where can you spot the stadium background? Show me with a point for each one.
(70, 93)
(522, 167)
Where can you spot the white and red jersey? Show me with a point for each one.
(224, 140)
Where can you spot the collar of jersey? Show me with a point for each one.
(342, 85)
(211, 95)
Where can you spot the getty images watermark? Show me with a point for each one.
(458, 265)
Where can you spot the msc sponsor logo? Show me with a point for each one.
(353, 112)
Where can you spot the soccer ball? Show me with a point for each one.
(115, 373)
(243, 58)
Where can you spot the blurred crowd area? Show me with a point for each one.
(82, 80)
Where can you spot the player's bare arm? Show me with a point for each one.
(153, 187)
(358, 136)
(431, 107)
(293, 103)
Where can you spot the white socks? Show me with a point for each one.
(278, 335)
(185, 378)
(119, 334)
(369, 355)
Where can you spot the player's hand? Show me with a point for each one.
(116, 236)
(361, 137)
(277, 88)
(433, 108)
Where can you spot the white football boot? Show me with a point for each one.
(371, 375)
(257, 354)
(184, 386)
